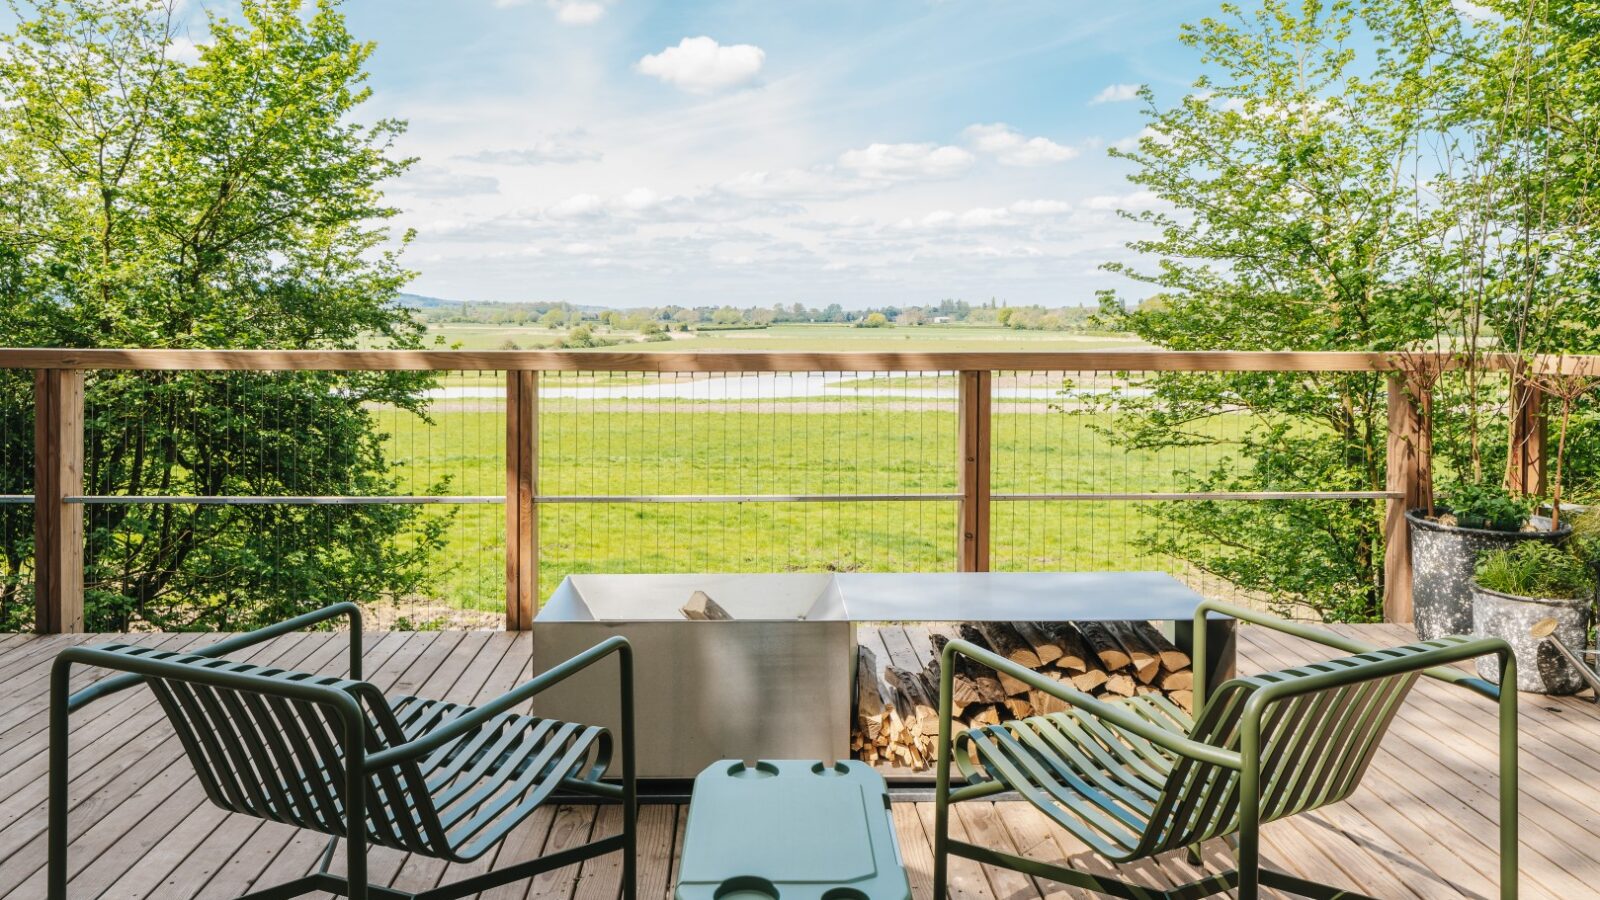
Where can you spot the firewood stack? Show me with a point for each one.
(897, 710)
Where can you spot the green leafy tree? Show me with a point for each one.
(230, 202)
(874, 320)
(1291, 221)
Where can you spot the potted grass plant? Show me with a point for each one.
(1471, 520)
(1516, 587)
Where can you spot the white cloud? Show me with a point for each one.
(1473, 10)
(1010, 148)
(1130, 201)
(1117, 93)
(1132, 142)
(554, 148)
(700, 65)
(568, 12)
(577, 12)
(435, 181)
(183, 49)
(1015, 215)
(904, 162)
(820, 183)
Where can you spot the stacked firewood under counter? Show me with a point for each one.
(897, 708)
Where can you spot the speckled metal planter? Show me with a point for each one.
(1540, 667)
(1442, 561)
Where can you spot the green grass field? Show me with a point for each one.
(639, 448)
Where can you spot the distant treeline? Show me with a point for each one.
(660, 319)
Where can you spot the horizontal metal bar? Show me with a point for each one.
(15, 498)
(213, 500)
(741, 498)
(1211, 495)
(288, 500)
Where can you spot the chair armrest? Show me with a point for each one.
(1442, 672)
(518, 695)
(1117, 715)
(249, 639)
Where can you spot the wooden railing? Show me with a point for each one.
(59, 434)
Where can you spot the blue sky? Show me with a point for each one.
(627, 152)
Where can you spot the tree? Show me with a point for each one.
(554, 318)
(230, 202)
(874, 320)
(1294, 221)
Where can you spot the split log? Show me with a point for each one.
(1044, 647)
(1178, 681)
(971, 683)
(1089, 681)
(1172, 659)
(1184, 699)
(1018, 708)
(1120, 684)
(921, 707)
(870, 694)
(1074, 655)
(1007, 642)
(985, 715)
(1105, 646)
(1010, 686)
(1142, 655)
(1045, 703)
(701, 608)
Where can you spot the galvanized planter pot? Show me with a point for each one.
(1540, 667)
(1442, 561)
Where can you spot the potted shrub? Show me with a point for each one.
(1471, 519)
(1516, 587)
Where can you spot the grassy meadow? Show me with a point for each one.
(879, 446)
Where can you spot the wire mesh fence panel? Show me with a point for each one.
(1191, 474)
(229, 499)
(16, 500)
(740, 472)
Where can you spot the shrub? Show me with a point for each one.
(1485, 505)
(1537, 569)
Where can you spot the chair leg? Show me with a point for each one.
(56, 866)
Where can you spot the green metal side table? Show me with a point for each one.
(790, 829)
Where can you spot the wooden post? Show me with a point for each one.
(57, 524)
(1409, 470)
(522, 481)
(973, 442)
(1525, 467)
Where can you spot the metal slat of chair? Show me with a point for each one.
(531, 779)
(533, 792)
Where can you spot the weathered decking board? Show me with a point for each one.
(1421, 826)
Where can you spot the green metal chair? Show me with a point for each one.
(333, 755)
(1137, 777)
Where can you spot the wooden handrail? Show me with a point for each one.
(762, 361)
(59, 374)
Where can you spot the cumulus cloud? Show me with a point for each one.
(700, 65)
(1116, 93)
(1010, 148)
(820, 183)
(906, 162)
(183, 49)
(1132, 141)
(1013, 215)
(555, 148)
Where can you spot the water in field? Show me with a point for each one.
(784, 386)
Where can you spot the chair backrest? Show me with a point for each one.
(1315, 746)
(264, 754)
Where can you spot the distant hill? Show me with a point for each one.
(418, 301)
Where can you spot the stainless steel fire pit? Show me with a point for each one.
(776, 682)
(773, 683)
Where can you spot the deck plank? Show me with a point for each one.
(1421, 826)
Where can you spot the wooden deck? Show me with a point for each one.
(1423, 824)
